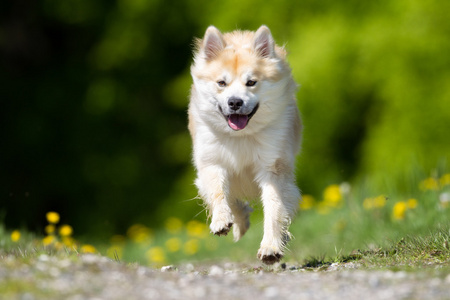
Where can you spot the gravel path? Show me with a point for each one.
(96, 277)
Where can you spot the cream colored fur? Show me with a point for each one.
(257, 161)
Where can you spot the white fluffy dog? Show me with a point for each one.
(246, 129)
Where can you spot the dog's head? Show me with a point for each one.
(239, 77)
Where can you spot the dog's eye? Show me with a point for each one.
(250, 83)
(222, 83)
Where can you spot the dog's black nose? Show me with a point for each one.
(235, 103)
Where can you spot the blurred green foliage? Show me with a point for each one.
(94, 95)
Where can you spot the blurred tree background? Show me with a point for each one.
(94, 94)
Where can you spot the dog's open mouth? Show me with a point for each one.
(239, 121)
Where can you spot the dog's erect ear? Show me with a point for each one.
(263, 42)
(213, 42)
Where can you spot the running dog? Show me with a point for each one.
(246, 132)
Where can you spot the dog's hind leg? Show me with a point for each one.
(241, 213)
(212, 183)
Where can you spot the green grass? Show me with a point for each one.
(346, 224)
(410, 253)
(337, 230)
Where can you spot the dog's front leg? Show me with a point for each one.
(213, 185)
(280, 197)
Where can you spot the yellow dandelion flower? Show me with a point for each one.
(65, 230)
(332, 195)
(399, 210)
(379, 201)
(15, 236)
(372, 203)
(49, 229)
(412, 203)
(156, 255)
(115, 252)
(139, 233)
(323, 208)
(49, 239)
(58, 245)
(445, 180)
(68, 241)
(52, 217)
(173, 225)
(86, 248)
(429, 184)
(368, 203)
(173, 244)
(191, 247)
(307, 202)
(197, 229)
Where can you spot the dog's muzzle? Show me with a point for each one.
(238, 121)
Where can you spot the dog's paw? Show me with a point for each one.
(220, 229)
(241, 222)
(239, 231)
(269, 256)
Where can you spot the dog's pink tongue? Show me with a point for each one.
(237, 122)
